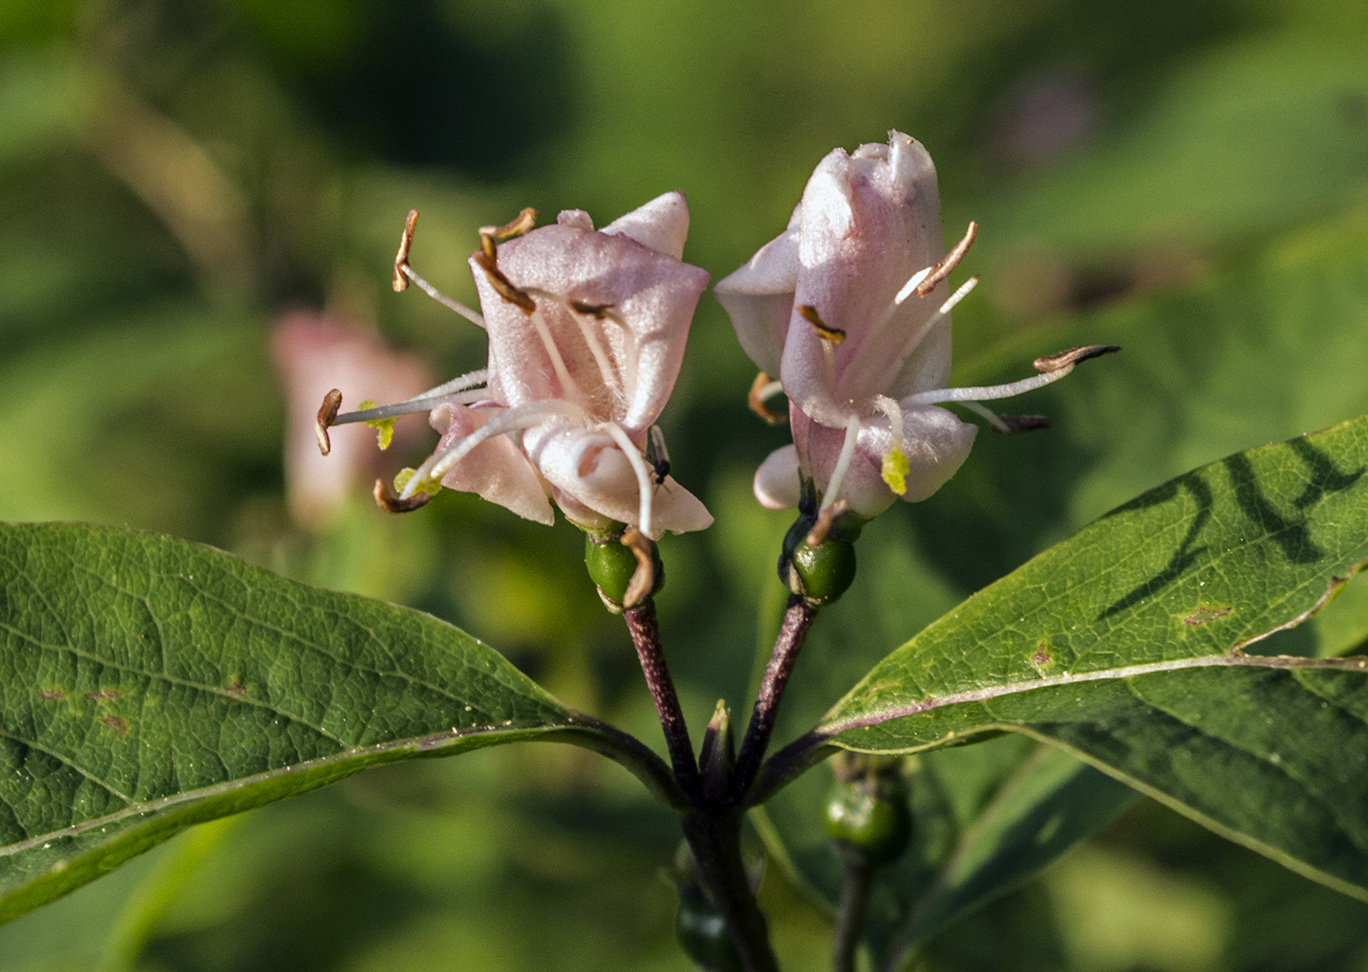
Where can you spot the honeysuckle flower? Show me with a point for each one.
(586, 335)
(849, 307)
(314, 352)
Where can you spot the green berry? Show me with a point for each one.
(824, 572)
(610, 565)
(880, 825)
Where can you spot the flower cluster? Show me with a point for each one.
(849, 307)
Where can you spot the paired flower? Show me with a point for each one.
(586, 335)
(849, 307)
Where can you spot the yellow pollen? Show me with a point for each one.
(895, 470)
(384, 428)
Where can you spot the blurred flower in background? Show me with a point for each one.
(314, 353)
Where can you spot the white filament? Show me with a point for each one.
(473, 316)
(985, 393)
(988, 414)
(645, 484)
(916, 337)
(513, 420)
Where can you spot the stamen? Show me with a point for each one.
(327, 415)
(522, 417)
(916, 337)
(401, 258)
(947, 263)
(386, 500)
(908, 289)
(1054, 367)
(605, 312)
(403, 273)
(643, 473)
(524, 222)
(833, 334)
(842, 462)
(1008, 424)
(591, 338)
(458, 391)
(983, 411)
(643, 578)
(1067, 359)
(761, 391)
(487, 261)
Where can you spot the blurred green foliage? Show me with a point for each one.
(175, 175)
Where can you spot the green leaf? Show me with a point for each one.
(148, 683)
(1126, 645)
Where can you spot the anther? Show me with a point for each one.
(523, 223)
(761, 391)
(501, 284)
(387, 501)
(833, 334)
(599, 311)
(1022, 423)
(327, 414)
(401, 258)
(1067, 359)
(947, 263)
(643, 578)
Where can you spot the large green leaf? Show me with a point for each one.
(148, 683)
(1127, 645)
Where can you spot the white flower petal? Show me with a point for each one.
(661, 224)
(777, 485)
(759, 299)
(588, 468)
(496, 469)
(935, 443)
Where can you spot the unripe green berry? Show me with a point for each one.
(610, 565)
(824, 572)
(878, 825)
(704, 937)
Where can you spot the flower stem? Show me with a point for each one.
(797, 620)
(857, 875)
(714, 836)
(645, 631)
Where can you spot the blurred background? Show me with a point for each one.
(199, 206)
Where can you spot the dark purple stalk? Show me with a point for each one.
(645, 631)
(797, 620)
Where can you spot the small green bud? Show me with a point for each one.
(871, 817)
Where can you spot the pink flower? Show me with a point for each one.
(586, 335)
(848, 306)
